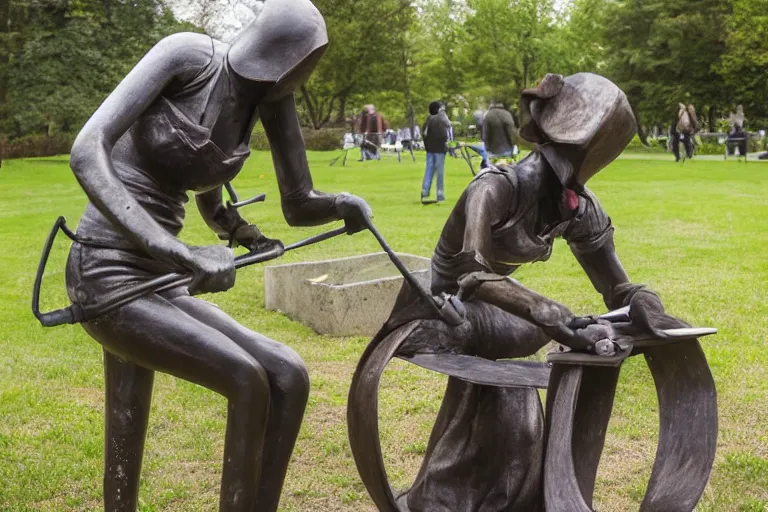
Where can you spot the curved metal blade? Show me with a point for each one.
(477, 370)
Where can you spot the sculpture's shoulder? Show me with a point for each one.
(503, 176)
(493, 187)
(185, 51)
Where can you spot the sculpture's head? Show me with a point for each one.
(281, 46)
(580, 124)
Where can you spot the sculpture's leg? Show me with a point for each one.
(289, 390)
(485, 452)
(688, 431)
(128, 397)
(154, 333)
(579, 404)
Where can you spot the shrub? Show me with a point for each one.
(325, 139)
(656, 145)
(36, 146)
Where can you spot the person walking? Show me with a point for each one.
(683, 130)
(437, 133)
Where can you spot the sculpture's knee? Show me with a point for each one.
(250, 381)
(291, 375)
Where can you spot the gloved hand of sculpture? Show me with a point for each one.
(509, 216)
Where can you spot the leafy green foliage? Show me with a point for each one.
(65, 56)
(744, 65)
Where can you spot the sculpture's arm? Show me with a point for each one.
(226, 221)
(175, 57)
(590, 237)
(302, 204)
(591, 241)
(222, 220)
(605, 271)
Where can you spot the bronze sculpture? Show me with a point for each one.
(180, 121)
(491, 448)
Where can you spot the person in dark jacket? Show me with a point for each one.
(437, 133)
(499, 132)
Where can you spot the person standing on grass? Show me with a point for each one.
(683, 130)
(499, 132)
(437, 133)
(372, 127)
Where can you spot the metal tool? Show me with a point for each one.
(76, 313)
(448, 308)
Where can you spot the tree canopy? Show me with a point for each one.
(60, 58)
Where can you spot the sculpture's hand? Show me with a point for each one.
(250, 237)
(598, 337)
(647, 313)
(354, 211)
(213, 267)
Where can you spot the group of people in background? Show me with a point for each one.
(685, 126)
(498, 135)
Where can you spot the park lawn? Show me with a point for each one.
(695, 232)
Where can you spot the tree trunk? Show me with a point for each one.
(711, 120)
(641, 131)
(5, 6)
(341, 118)
(407, 89)
(310, 107)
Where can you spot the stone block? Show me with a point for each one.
(342, 297)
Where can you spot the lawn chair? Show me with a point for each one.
(347, 143)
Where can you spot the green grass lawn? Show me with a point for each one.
(695, 232)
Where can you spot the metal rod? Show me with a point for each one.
(426, 296)
(254, 199)
(173, 280)
(231, 192)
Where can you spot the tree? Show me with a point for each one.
(513, 43)
(67, 55)
(662, 53)
(744, 64)
(362, 56)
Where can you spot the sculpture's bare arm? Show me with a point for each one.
(606, 272)
(222, 220)
(302, 204)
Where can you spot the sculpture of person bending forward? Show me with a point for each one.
(486, 447)
(180, 121)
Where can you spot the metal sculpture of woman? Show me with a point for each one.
(487, 447)
(180, 121)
